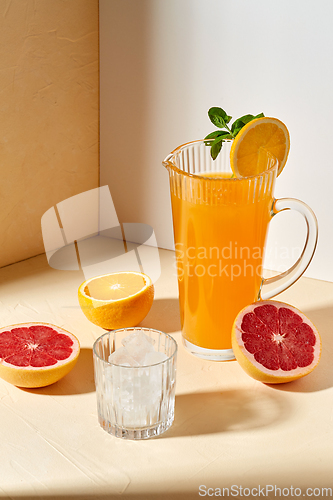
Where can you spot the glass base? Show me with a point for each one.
(132, 433)
(210, 354)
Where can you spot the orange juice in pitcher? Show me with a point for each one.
(220, 229)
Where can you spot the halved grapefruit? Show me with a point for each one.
(36, 354)
(275, 342)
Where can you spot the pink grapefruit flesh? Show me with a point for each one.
(36, 354)
(275, 342)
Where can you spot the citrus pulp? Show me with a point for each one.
(257, 140)
(36, 354)
(275, 342)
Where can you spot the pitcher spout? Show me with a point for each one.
(167, 160)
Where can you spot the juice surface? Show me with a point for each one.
(219, 239)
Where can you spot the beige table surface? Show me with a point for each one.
(229, 430)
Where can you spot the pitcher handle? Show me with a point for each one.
(286, 279)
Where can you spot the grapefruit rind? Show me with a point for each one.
(122, 313)
(30, 377)
(256, 370)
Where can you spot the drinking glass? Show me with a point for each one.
(135, 402)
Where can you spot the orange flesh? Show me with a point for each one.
(258, 139)
(115, 287)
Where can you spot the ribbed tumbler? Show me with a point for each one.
(135, 402)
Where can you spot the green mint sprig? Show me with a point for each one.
(220, 119)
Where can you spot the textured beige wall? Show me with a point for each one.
(49, 143)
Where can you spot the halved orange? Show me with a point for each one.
(116, 300)
(258, 139)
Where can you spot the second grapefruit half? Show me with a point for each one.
(275, 342)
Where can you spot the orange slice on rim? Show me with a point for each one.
(257, 140)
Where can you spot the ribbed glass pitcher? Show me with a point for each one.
(220, 230)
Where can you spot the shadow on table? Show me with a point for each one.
(231, 410)
(322, 377)
(163, 315)
(80, 380)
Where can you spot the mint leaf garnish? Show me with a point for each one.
(221, 119)
(215, 149)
